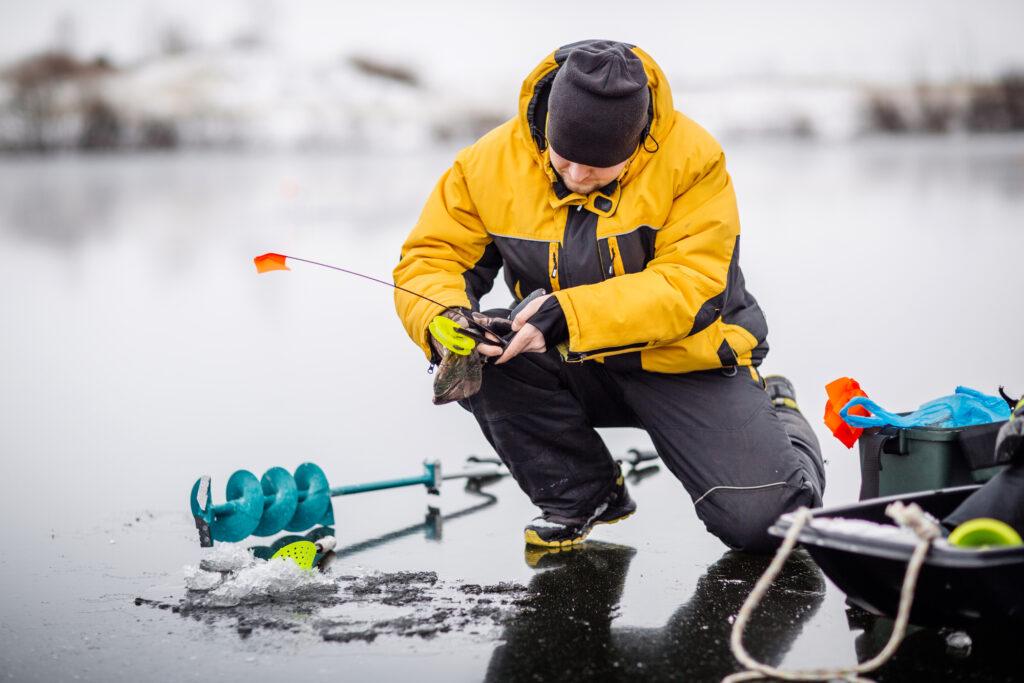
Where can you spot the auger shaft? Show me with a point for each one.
(430, 478)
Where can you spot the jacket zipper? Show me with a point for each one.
(554, 258)
(577, 356)
(580, 356)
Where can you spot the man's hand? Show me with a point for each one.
(528, 338)
(459, 377)
(499, 325)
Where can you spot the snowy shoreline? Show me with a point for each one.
(236, 99)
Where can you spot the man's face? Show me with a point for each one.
(583, 179)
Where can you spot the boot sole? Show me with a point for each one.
(533, 538)
(617, 519)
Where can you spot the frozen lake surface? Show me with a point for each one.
(140, 350)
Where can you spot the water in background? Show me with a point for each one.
(140, 349)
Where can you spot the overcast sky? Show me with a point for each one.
(492, 45)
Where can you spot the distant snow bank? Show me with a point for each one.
(254, 98)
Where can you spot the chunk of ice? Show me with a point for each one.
(226, 557)
(229, 575)
(197, 579)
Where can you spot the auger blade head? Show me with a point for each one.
(311, 509)
(328, 518)
(243, 509)
(281, 498)
(200, 501)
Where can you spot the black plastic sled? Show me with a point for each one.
(964, 587)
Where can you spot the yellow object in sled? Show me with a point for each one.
(984, 532)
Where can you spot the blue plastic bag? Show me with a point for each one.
(965, 407)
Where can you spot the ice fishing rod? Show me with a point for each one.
(455, 337)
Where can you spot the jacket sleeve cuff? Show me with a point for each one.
(550, 320)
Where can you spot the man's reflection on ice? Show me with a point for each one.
(567, 632)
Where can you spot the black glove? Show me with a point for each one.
(550, 320)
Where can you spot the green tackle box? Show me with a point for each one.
(895, 460)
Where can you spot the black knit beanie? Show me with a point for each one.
(598, 105)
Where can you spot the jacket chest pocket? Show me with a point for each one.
(626, 253)
(529, 264)
(553, 267)
(611, 257)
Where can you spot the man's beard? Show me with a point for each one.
(581, 189)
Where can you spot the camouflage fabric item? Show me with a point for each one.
(459, 377)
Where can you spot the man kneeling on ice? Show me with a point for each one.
(604, 195)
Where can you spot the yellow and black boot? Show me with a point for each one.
(555, 531)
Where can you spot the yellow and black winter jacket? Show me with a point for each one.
(646, 269)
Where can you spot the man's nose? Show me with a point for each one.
(576, 173)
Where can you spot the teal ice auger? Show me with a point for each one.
(280, 500)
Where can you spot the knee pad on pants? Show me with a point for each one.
(740, 517)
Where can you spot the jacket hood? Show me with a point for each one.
(533, 106)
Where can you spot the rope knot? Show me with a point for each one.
(914, 518)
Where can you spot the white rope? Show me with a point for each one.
(910, 516)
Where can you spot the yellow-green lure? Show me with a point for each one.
(451, 335)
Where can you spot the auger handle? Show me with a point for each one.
(477, 458)
(636, 456)
(431, 478)
(476, 474)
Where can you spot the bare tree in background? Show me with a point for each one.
(37, 82)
